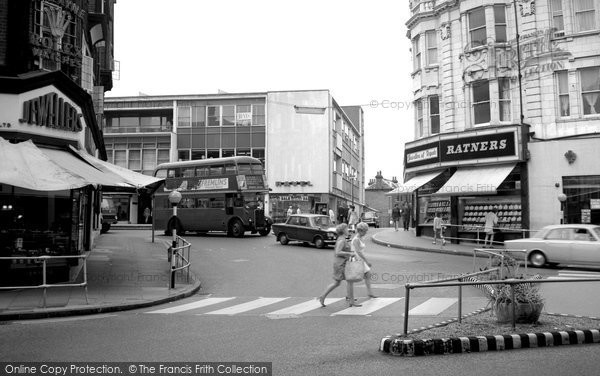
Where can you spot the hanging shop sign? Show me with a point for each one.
(51, 111)
(595, 203)
(448, 150)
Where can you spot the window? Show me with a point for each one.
(590, 90)
(481, 102)
(432, 52)
(582, 234)
(198, 154)
(434, 114)
(228, 113)
(184, 116)
(585, 15)
(500, 23)
(243, 116)
(187, 172)
(163, 156)
(477, 32)
(504, 98)
(213, 116)
(198, 116)
(109, 156)
(258, 114)
(557, 15)
(419, 106)
(416, 54)
(243, 152)
(148, 159)
(559, 234)
(121, 158)
(228, 153)
(183, 155)
(213, 153)
(562, 79)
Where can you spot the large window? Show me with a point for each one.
(148, 159)
(135, 160)
(585, 15)
(583, 196)
(562, 79)
(213, 116)
(557, 15)
(228, 113)
(416, 53)
(243, 115)
(419, 106)
(198, 116)
(432, 51)
(477, 31)
(258, 114)
(500, 23)
(481, 102)
(590, 90)
(504, 98)
(121, 158)
(434, 114)
(184, 116)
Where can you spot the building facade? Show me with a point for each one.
(55, 64)
(311, 147)
(500, 89)
(377, 197)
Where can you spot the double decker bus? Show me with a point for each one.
(221, 194)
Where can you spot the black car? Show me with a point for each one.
(371, 218)
(308, 228)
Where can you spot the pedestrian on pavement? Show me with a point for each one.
(332, 216)
(491, 221)
(438, 228)
(341, 254)
(358, 246)
(396, 212)
(352, 218)
(405, 216)
(298, 211)
(290, 211)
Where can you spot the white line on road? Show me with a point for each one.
(301, 308)
(198, 304)
(368, 307)
(432, 307)
(245, 307)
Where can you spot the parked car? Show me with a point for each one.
(371, 218)
(561, 244)
(316, 229)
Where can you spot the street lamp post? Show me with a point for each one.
(562, 198)
(174, 199)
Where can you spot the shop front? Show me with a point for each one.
(305, 202)
(461, 177)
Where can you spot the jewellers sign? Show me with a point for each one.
(450, 151)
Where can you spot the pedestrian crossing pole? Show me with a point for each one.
(174, 199)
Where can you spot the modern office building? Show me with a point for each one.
(311, 147)
(507, 113)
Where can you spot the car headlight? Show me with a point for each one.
(331, 235)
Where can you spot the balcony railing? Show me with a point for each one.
(420, 6)
(139, 129)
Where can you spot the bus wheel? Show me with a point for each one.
(236, 229)
(265, 231)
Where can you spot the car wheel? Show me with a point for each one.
(283, 239)
(236, 229)
(319, 242)
(537, 259)
(265, 231)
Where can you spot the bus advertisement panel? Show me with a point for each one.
(223, 194)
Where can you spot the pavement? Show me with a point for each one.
(123, 272)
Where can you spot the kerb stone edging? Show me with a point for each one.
(458, 345)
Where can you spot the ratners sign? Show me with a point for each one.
(443, 151)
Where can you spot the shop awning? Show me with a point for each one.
(129, 178)
(415, 183)
(476, 180)
(25, 165)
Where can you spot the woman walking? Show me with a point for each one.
(341, 254)
(358, 246)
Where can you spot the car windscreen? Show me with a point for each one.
(597, 231)
(369, 215)
(322, 221)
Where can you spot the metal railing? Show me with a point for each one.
(477, 230)
(501, 254)
(179, 259)
(45, 285)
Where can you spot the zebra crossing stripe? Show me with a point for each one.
(198, 304)
(432, 307)
(301, 308)
(245, 307)
(368, 307)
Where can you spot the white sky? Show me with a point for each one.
(357, 49)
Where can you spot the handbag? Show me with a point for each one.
(354, 271)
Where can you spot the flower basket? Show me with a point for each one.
(526, 313)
